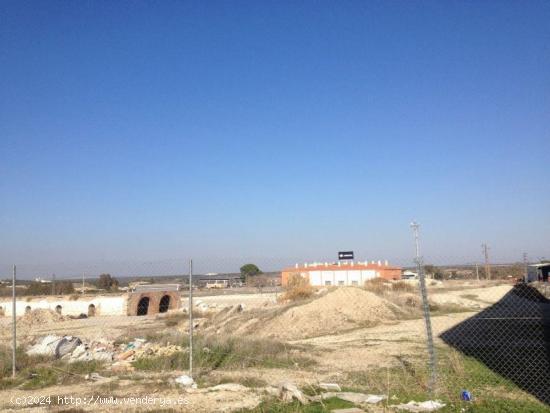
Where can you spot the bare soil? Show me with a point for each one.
(345, 330)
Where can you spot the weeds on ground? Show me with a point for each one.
(403, 287)
(408, 381)
(470, 296)
(378, 286)
(276, 406)
(35, 372)
(211, 353)
(448, 308)
(247, 381)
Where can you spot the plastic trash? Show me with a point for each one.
(466, 396)
(427, 406)
(66, 346)
(186, 381)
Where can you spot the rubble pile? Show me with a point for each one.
(73, 349)
(40, 316)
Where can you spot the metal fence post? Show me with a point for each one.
(14, 347)
(190, 309)
(426, 308)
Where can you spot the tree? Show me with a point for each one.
(434, 271)
(249, 270)
(61, 287)
(106, 282)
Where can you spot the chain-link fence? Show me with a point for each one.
(278, 330)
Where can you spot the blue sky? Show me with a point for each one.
(282, 130)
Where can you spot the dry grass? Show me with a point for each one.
(228, 352)
(403, 287)
(378, 286)
(298, 289)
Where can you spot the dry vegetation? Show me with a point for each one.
(365, 339)
(298, 289)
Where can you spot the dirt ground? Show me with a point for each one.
(343, 331)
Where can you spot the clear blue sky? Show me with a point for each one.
(155, 130)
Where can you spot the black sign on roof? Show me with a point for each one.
(345, 255)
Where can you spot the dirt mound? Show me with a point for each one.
(41, 316)
(339, 310)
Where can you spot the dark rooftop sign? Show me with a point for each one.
(345, 255)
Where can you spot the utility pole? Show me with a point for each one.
(426, 307)
(53, 284)
(477, 271)
(191, 318)
(82, 283)
(525, 265)
(485, 249)
(14, 331)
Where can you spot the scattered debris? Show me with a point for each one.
(230, 387)
(126, 355)
(93, 377)
(122, 366)
(154, 350)
(357, 398)
(330, 386)
(186, 381)
(288, 391)
(92, 351)
(349, 410)
(47, 346)
(427, 406)
(77, 317)
(66, 346)
(73, 349)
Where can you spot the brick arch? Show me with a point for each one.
(154, 301)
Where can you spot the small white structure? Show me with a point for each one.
(409, 275)
(537, 272)
(217, 284)
(67, 305)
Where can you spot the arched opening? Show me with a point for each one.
(143, 306)
(164, 304)
(91, 310)
(58, 309)
(27, 309)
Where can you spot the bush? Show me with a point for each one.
(298, 288)
(404, 287)
(378, 286)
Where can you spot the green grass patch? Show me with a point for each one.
(456, 372)
(276, 406)
(36, 372)
(40, 377)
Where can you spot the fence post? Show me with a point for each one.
(190, 309)
(426, 308)
(14, 347)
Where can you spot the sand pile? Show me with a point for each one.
(40, 316)
(339, 310)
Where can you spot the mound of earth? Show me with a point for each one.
(41, 316)
(342, 309)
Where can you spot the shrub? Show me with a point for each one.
(377, 286)
(402, 286)
(298, 288)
